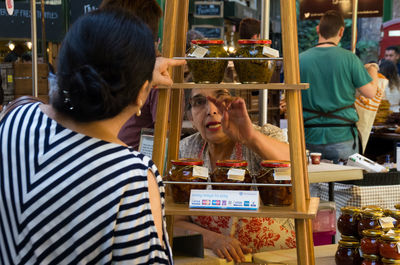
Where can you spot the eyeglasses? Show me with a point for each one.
(199, 101)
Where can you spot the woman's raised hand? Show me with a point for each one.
(235, 121)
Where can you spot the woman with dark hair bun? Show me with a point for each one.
(71, 191)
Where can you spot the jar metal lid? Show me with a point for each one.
(370, 213)
(372, 232)
(395, 213)
(370, 257)
(372, 208)
(275, 163)
(397, 206)
(349, 243)
(390, 261)
(232, 163)
(350, 209)
(349, 238)
(207, 41)
(250, 41)
(187, 162)
(391, 237)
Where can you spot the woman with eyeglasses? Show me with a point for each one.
(225, 131)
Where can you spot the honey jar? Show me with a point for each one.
(182, 170)
(347, 223)
(231, 171)
(348, 253)
(275, 172)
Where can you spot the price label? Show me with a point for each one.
(236, 174)
(200, 172)
(282, 174)
(268, 51)
(390, 232)
(9, 78)
(386, 222)
(199, 52)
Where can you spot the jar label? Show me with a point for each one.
(268, 51)
(236, 174)
(282, 174)
(386, 222)
(200, 172)
(398, 247)
(199, 52)
(390, 232)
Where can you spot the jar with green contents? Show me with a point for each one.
(253, 71)
(183, 170)
(207, 71)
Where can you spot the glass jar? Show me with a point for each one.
(347, 223)
(369, 243)
(396, 215)
(371, 260)
(348, 253)
(207, 71)
(349, 238)
(182, 170)
(369, 220)
(389, 246)
(231, 171)
(271, 173)
(253, 71)
(390, 261)
(372, 208)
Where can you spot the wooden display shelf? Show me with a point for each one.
(172, 208)
(273, 86)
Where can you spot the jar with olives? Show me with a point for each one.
(348, 253)
(207, 71)
(275, 172)
(369, 244)
(185, 170)
(231, 171)
(253, 71)
(347, 223)
(369, 220)
(371, 260)
(389, 246)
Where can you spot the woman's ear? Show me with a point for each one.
(143, 94)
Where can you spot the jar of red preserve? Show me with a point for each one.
(231, 171)
(369, 244)
(348, 253)
(347, 223)
(389, 246)
(369, 220)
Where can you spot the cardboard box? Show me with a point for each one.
(23, 79)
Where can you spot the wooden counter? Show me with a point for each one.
(325, 172)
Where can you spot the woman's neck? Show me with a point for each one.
(220, 151)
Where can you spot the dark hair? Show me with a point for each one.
(393, 48)
(330, 24)
(389, 70)
(1, 92)
(193, 35)
(249, 27)
(104, 60)
(147, 10)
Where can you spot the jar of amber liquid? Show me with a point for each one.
(347, 223)
(275, 172)
(369, 244)
(390, 261)
(254, 71)
(231, 171)
(389, 246)
(182, 170)
(348, 253)
(371, 260)
(369, 220)
(207, 71)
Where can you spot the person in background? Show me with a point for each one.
(225, 131)
(1, 94)
(150, 12)
(392, 53)
(392, 90)
(334, 75)
(15, 55)
(249, 28)
(74, 190)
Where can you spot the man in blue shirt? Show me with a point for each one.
(392, 53)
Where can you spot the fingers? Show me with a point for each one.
(226, 254)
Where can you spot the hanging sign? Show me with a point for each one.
(311, 9)
(10, 7)
(208, 9)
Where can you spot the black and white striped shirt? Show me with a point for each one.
(67, 198)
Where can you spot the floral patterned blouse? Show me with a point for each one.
(260, 234)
